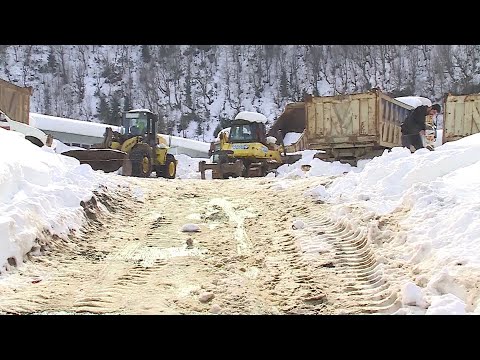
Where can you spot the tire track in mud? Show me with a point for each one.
(155, 242)
(291, 284)
(364, 286)
(243, 242)
(342, 260)
(136, 260)
(77, 259)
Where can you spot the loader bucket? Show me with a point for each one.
(108, 160)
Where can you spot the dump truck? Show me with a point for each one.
(461, 116)
(346, 127)
(139, 149)
(245, 150)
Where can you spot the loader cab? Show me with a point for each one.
(142, 123)
(243, 131)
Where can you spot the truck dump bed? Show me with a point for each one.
(15, 101)
(461, 116)
(345, 126)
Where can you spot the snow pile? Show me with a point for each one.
(39, 190)
(309, 166)
(187, 167)
(435, 196)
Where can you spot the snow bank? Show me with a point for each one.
(39, 190)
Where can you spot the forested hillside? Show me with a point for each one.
(197, 89)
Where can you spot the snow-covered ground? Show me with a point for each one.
(438, 192)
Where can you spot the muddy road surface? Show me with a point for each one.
(261, 248)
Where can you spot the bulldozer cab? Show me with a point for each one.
(140, 123)
(247, 132)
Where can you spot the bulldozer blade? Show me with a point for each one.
(107, 160)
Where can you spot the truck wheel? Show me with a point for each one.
(141, 160)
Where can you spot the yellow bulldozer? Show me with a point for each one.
(246, 151)
(138, 149)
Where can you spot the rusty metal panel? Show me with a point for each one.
(15, 101)
(461, 116)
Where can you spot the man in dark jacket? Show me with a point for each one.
(413, 128)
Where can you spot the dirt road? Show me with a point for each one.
(247, 258)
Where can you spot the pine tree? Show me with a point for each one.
(103, 110)
(47, 101)
(115, 113)
(51, 61)
(199, 130)
(217, 130)
(126, 103)
(161, 124)
(188, 90)
(146, 56)
(284, 84)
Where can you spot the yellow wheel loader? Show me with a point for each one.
(138, 149)
(246, 151)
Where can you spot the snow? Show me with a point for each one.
(27, 130)
(431, 197)
(139, 110)
(59, 147)
(177, 141)
(436, 192)
(251, 116)
(39, 191)
(291, 138)
(187, 167)
(59, 124)
(414, 101)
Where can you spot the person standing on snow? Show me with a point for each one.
(413, 128)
